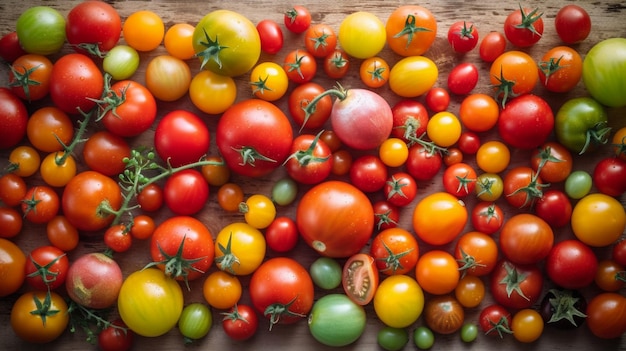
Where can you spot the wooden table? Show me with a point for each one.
(607, 19)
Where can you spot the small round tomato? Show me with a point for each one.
(479, 112)
(40, 204)
(470, 291)
(413, 76)
(297, 19)
(610, 275)
(239, 248)
(216, 173)
(411, 30)
(513, 73)
(25, 159)
(393, 152)
(459, 179)
(487, 217)
(29, 77)
(46, 268)
(368, 173)
(522, 187)
(62, 234)
(618, 253)
(555, 208)
(12, 263)
(320, 40)
(300, 66)
(326, 273)
(240, 322)
(495, 320)
(299, 99)
(143, 227)
(399, 301)
(555, 160)
(476, 253)
(463, 78)
(462, 36)
(362, 34)
(469, 142)
(259, 211)
(178, 41)
(526, 238)
(168, 78)
(105, 152)
(516, 286)
(39, 316)
(271, 36)
(222, 290)
(336, 64)
(181, 137)
(560, 69)
(606, 315)
(526, 122)
(444, 314)
(212, 93)
(400, 189)
(186, 192)
(10, 222)
(282, 234)
(269, 81)
(395, 250)
(387, 215)
(229, 196)
(524, 27)
(492, 46)
(527, 325)
(437, 99)
(360, 278)
(116, 337)
(598, 220)
(444, 128)
(438, 218)
(572, 24)
(489, 187)
(150, 197)
(47, 126)
(437, 272)
(143, 30)
(374, 72)
(284, 191)
(121, 62)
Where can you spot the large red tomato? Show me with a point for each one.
(181, 137)
(526, 122)
(75, 83)
(335, 218)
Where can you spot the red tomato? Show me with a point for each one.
(300, 66)
(297, 19)
(395, 251)
(131, 109)
(524, 27)
(387, 215)
(150, 197)
(320, 40)
(336, 64)
(116, 337)
(310, 161)
(40, 204)
(271, 36)
(487, 217)
(282, 234)
(46, 268)
(618, 253)
(240, 322)
(492, 46)
(572, 24)
(93, 27)
(181, 137)
(423, 164)
(76, 83)
(186, 192)
(410, 118)
(300, 98)
(463, 36)
(10, 48)
(555, 208)
(609, 176)
(606, 315)
(476, 253)
(459, 179)
(13, 119)
(516, 286)
(117, 238)
(360, 278)
(571, 264)
(105, 152)
(463, 78)
(495, 320)
(368, 173)
(526, 122)
(522, 187)
(556, 162)
(400, 189)
(437, 100)
(10, 222)
(560, 69)
(526, 239)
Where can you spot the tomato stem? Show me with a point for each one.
(47, 276)
(83, 317)
(176, 265)
(309, 109)
(43, 309)
(304, 157)
(276, 310)
(23, 79)
(78, 138)
(410, 29)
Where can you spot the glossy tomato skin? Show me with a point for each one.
(463, 78)
(11, 267)
(439, 218)
(609, 176)
(240, 322)
(271, 36)
(300, 97)
(75, 83)
(555, 208)
(368, 173)
(444, 314)
(396, 251)
(399, 301)
(526, 238)
(310, 161)
(104, 152)
(579, 124)
(29, 77)
(297, 19)
(411, 16)
(524, 27)
(492, 46)
(410, 118)
(30, 326)
(495, 320)
(463, 36)
(115, 338)
(526, 122)
(136, 114)
(516, 286)
(335, 218)
(476, 253)
(254, 137)
(327, 320)
(606, 315)
(10, 48)
(181, 137)
(560, 69)
(93, 22)
(186, 192)
(14, 119)
(571, 264)
(572, 24)
(56, 263)
(423, 164)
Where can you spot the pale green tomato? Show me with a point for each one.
(578, 184)
(121, 62)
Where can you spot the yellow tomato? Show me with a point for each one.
(399, 301)
(444, 129)
(439, 217)
(259, 211)
(57, 172)
(598, 220)
(221, 290)
(25, 159)
(413, 76)
(211, 92)
(393, 152)
(38, 317)
(527, 325)
(12, 261)
(362, 35)
(493, 156)
(239, 248)
(269, 81)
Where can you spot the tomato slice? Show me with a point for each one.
(360, 278)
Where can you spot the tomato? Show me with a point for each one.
(297, 19)
(84, 194)
(462, 36)
(470, 291)
(487, 217)
(526, 122)
(41, 30)
(335, 218)
(489, 187)
(10, 48)
(121, 62)
(117, 238)
(444, 314)
(39, 317)
(181, 137)
(527, 325)
(563, 308)
(269, 81)
(150, 197)
(437, 99)
(327, 320)
(603, 72)
(336, 64)
(578, 184)
(618, 253)
(222, 290)
(411, 30)
(374, 72)
(97, 35)
(459, 179)
(168, 78)
(393, 152)
(476, 253)
(526, 239)
(239, 248)
(598, 220)
(368, 173)
(479, 112)
(512, 74)
(259, 211)
(610, 275)
(40, 204)
(186, 192)
(262, 141)
(282, 290)
(13, 189)
(463, 78)
(212, 93)
(240, 322)
(387, 215)
(320, 40)
(75, 83)
(116, 337)
(360, 278)
(178, 41)
(130, 110)
(300, 66)
(618, 142)
(12, 263)
(26, 160)
(492, 46)
(47, 126)
(609, 176)
(413, 76)
(62, 234)
(437, 272)
(469, 143)
(555, 208)
(399, 301)
(524, 27)
(299, 99)
(229, 196)
(284, 191)
(57, 169)
(560, 69)
(105, 152)
(149, 302)
(326, 273)
(522, 187)
(310, 161)
(572, 24)
(516, 286)
(395, 250)
(14, 119)
(143, 227)
(495, 319)
(392, 339)
(282, 234)
(29, 77)
(439, 218)
(444, 129)
(410, 118)
(143, 30)
(571, 264)
(10, 222)
(423, 337)
(342, 162)
(362, 34)
(94, 280)
(606, 315)
(555, 160)
(46, 268)
(400, 189)
(271, 36)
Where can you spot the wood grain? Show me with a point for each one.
(607, 19)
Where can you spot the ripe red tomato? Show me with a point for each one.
(400, 189)
(572, 24)
(387, 215)
(336, 64)
(13, 120)
(618, 253)
(571, 264)
(395, 250)
(437, 100)
(555, 208)
(609, 176)
(423, 164)
(271, 36)
(516, 286)
(297, 19)
(310, 161)
(40, 204)
(10, 48)
(368, 173)
(522, 187)
(29, 77)
(116, 337)
(463, 78)
(240, 322)
(526, 238)
(524, 27)
(282, 234)
(186, 192)
(93, 27)
(492, 46)
(75, 83)
(495, 320)
(181, 137)
(463, 36)
(117, 238)
(487, 217)
(606, 315)
(320, 40)
(513, 73)
(410, 118)
(131, 110)
(105, 152)
(300, 97)
(459, 179)
(526, 122)
(476, 253)
(46, 268)
(300, 66)
(360, 278)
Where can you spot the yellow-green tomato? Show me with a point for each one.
(195, 321)
(413, 76)
(150, 303)
(362, 35)
(399, 301)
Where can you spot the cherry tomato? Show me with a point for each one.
(336, 64)
(395, 251)
(282, 234)
(437, 272)
(374, 72)
(572, 24)
(437, 99)
(271, 36)
(492, 46)
(297, 19)
(320, 40)
(178, 41)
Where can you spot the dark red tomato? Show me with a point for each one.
(186, 192)
(336, 64)
(555, 208)
(522, 187)
(609, 176)
(10, 48)
(282, 234)
(463, 78)
(555, 160)
(282, 290)
(360, 278)
(618, 252)
(368, 173)
(76, 82)
(572, 24)
(459, 179)
(524, 27)
(11, 222)
(131, 109)
(516, 286)
(452, 156)
(13, 119)
(181, 137)
(300, 97)
(254, 137)
(526, 122)
(12, 189)
(118, 238)
(437, 99)
(487, 217)
(116, 337)
(606, 315)
(183, 247)
(150, 198)
(463, 36)
(271, 36)
(93, 27)
(40, 204)
(387, 215)
(46, 268)
(240, 322)
(571, 264)
(423, 164)
(492, 46)
(400, 189)
(526, 239)
(104, 152)
(469, 143)
(310, 161)
(300, 66)
(320, 40)
(495, 320)
(410, 118)
(297, 19)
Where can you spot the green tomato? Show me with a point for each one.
(469, 332)
(335, 320)
(423, 337)
(41, 30)
(121, 62)
(604, 72)
(326, 273)
(284, 191)
(195, 321)
(578, 184)
(227, 43)
(392, 339)
(362, 35)
(581, 125)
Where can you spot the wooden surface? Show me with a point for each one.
(607, 20)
